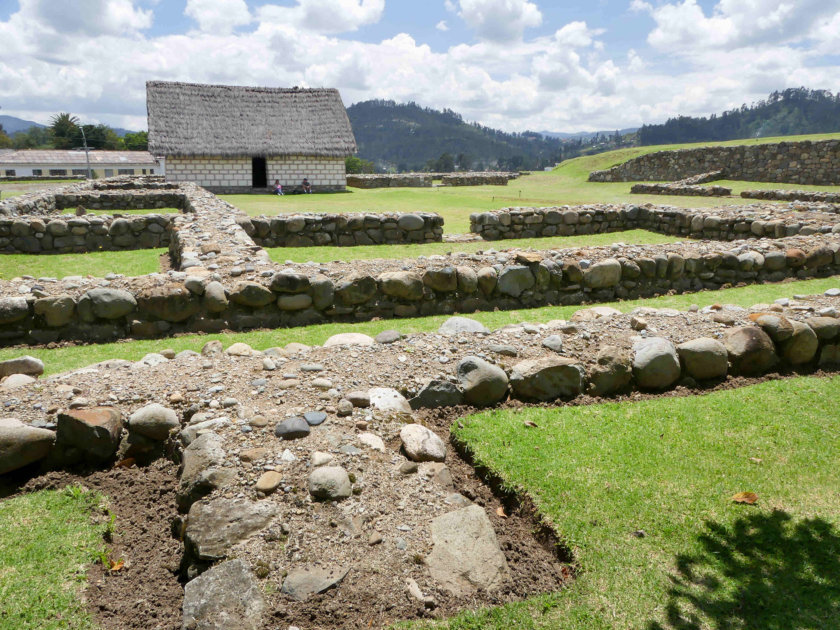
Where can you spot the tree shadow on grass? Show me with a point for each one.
(765, 572)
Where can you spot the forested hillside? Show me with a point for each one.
(791, 112)
(408, 137)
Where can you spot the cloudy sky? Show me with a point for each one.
(510, 64)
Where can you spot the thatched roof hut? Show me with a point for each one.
(234, 121)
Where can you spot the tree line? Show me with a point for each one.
(65, 131)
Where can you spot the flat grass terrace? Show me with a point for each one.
(243, 446)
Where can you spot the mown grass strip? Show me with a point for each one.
(367, 252)
(73, 357)
(642, 494)
(138, 262)
(47, 540)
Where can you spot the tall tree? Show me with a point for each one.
(138, 141)
(64, 130)
(5, 140)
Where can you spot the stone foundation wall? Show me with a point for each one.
(682, 190)
(752, 222)
(793, 195)
(41, 203)
(402, 180)
(477, 179)
(307, 230)
(28, 235)
(792, 162)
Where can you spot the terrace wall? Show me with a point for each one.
(792, 162)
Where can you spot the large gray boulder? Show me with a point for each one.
(13, 309)
(404, 285)
(329, 483)
(437, 393)
(751, 351)
(483, 383)
(457, 325)
(214, 526)
(514, 280)
(827, 328)
(547, 378)
(202, 470)
(411, 222)
(422, 444)
(611, 373)
(22, 365)
(21, 445)
(388, 399)
(603, 274)
(111, 303)
(154, 421)
(704, 358)
(226, 597)
(302, 583)
(779, 327)
(94, 432)
(215, 297)
(56, 310)
(802, 346)
(252, 294)
(349, 339)
(466, 556)
(655, 363)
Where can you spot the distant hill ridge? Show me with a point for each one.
(12, 125)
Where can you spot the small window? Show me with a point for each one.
(10, 172)
(58, 172)
(80, 171)
(151, 171)
(37, 172)
(125, 171)
(109, 172)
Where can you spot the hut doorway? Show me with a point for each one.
(259, 176)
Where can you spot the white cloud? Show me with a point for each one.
(441, 26)
(500, 20)
(219, 17)
(325, 16)
(91, 17)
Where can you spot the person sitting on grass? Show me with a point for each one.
(307, 187)
(278, 188)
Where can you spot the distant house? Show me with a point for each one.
(240, 139)
(55, 163)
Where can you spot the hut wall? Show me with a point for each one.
(324, 173)
(217, 174)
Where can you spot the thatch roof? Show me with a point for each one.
(231, 121)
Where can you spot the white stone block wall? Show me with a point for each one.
(321, 171)
(214, 172)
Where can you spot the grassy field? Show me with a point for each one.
(73, 357)
(641, 492)
(566, 184)
(130, 263)
(328, 254)
(46, 541)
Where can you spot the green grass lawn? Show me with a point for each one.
(137, 262)
(603, 474)
(136, 211)
(47, 540)
(73, 357)
(328, 254)
(566, 184)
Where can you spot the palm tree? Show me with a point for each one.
(64, 129)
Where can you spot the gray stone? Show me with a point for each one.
(388, 336)
(802, 346)
(212, 348)
(612, 372)
(329, 483)
(827, 328)
(240, 349)
(289, 282)
(154, 421)
(357, 289)
(16, 380)
(349, 339)
(111, 303)
(292, 428)
(202, 470)
(483, 383)
(359, 399)
(314, 418)
(21, 444)
(603, 274)
(704, 358)
(547, 378)
(655, 363)
(466, 556)
(251, 294)
(422, 444)
(458, 325)
(554, 343)
(94, 432)
(444, 280)
(300, 584)
(13, 309)
(405, 285)
(411, 222)
(387, 399)
(487, 280)
(778, 327)
(830, 355)
(514, 280)
(215, 298)
(57, 310)
(22, 365)
(467, 279)
(226, 597)
(294, 302)
(503, 349)
(750, 349)
(437, 393)
(214, 526)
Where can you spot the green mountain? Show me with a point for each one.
(407, 137)
(791, 112)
